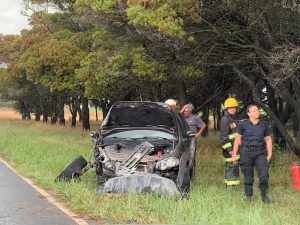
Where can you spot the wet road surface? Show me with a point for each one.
(22, 204)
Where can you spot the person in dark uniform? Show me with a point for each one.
(255, 141)
(228, 125)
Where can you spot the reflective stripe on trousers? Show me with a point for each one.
(232, 173)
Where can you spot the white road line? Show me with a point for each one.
(46, 195)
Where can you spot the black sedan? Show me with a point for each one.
(143, 146)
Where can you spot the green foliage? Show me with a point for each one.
(164, 18)
(164, 10)
(52, 63)
(147, 68)
(113, 73)
(103, 5)
(5, 104)
(9, 47)
(191, 72)
(86, 74)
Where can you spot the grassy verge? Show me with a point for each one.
(42, 151)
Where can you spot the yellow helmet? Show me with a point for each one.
(230, 103)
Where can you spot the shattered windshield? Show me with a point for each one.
(142, 134)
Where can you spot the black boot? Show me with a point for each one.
(265, 199)
(248, 198)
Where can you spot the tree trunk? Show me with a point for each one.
(73, 118)
(37, 116)
(284, 113)
(156, 92)
(61, 112)
(45, 117)
(205, 119)
(27, 112)
(297, 121)
(85, 114)
(215, 120)
(104, 106)
(96, 108)
(181, 93)
(28, 116)
(54, 118)
(274, 106)
(73, 110)
(79, 113)
(219, 115)
(22, 110)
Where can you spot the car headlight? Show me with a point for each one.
(167, 163)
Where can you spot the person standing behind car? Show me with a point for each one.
(172, 103)
(228, 125)
(195, 123)
(255, 141)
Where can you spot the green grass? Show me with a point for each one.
(41, 151)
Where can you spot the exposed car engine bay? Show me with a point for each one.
(136, 159)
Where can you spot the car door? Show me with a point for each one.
(189, 143)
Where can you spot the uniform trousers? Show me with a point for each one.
(254, 157)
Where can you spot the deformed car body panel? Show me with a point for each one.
(140, 183)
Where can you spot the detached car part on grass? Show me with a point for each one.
(140, 147)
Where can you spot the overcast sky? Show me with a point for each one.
(11, 20)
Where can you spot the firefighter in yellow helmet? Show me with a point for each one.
(228, 133)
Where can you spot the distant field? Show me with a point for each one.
(11, 114)
(40, 151)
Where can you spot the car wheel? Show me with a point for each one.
(73, 170)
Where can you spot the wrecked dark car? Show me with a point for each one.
(143, 147)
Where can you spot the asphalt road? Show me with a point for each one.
(22, 204)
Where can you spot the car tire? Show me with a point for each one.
(73, 170)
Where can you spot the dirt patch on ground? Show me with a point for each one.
(10, 114)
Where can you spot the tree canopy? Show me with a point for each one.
(194, 51)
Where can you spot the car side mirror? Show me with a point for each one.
(190, 134)
(94, 134)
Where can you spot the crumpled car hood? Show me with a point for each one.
(124, 115)
(140, 183)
